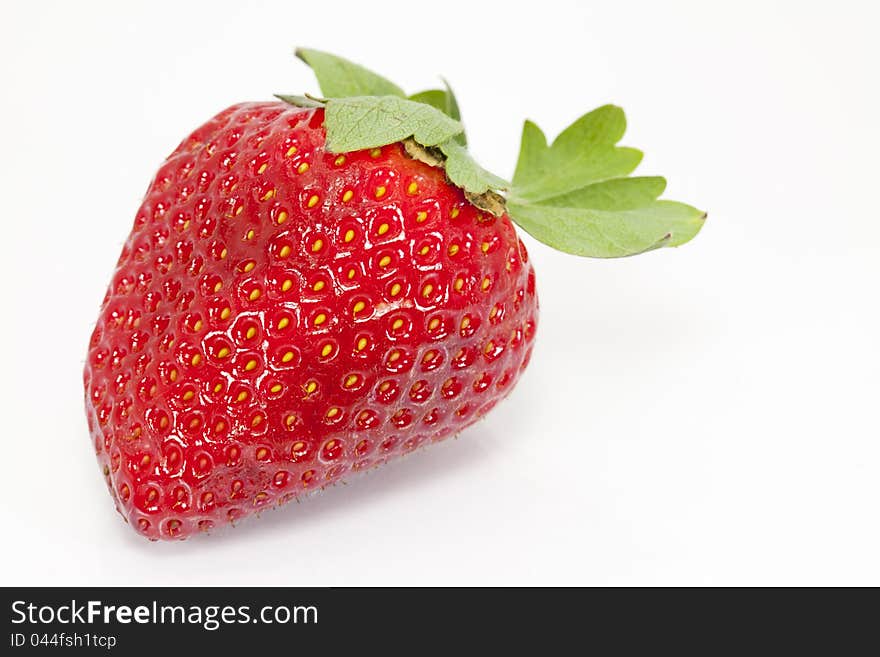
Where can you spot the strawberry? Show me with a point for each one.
(313, 287)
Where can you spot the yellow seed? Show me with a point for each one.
(313, 200)
(349, 235)
(163, 422)
(421, 216)
(302, 168)
(454, 213)
(361, 344)
(218, 387)
(393, 356)
(327, 350)
(196, 359)
(284, 252)
(453, 249)
(383, 229)
(384, 261)
(376, 152)
(255, 294)
(249, 266)
(465, 322)
(239, 210)
(282, 217)
(339, 161)
(359, 306)
(486, 284)
(286, 285)
(424, 250)
(493, 312)
(189, 394)
(220, 426)
(350, 380)
(427, 289)
(290, 151)
(489, 347)
(332, 412)
(223, 253)
(351, 273)
(318, 286)
(275, 389)
(395, 289)
(320, 319)
(433, 324)
(397, 324)
(251, 365)
(262, 168)
(311, 386)
(283, 322)
(256, 422)
(223, 352)
(251, 332)
(413, 188)
(250, 234)
(346, 197)
(287, 357)
(484, 247)
(217, 287)
(317, 245)
(429, 356)
(268, 195)
(384, 387)
(380, 191)
(225, 313)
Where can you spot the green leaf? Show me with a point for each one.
(609, 234)
(574, 194)
(464, 171)
(582, 154)
(340, 78)
(614, 194)
(371, 121)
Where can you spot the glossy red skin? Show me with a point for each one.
(203, 407)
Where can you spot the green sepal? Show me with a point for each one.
(365, 110)
(340, 78)
(464, 171)
(575, 194)
(300, 101)
(445, 101)
(372, 121)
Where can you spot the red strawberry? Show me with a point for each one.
(283, 316)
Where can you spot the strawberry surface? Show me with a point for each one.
(282, 317)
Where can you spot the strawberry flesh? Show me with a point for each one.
(282, 317)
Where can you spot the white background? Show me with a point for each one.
(705, 415)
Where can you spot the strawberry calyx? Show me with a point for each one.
(574, 194)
